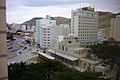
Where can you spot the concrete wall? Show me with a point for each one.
(3, 53)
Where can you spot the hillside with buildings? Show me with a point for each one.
(104, 19)
(32, 21)
(59, 20)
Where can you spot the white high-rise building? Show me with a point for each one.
(84, 24)
(42, 31)
(45, 37)
(46, 32)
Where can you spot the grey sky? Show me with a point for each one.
(22, 10)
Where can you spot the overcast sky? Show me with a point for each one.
(19, 11)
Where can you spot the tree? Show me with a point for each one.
(29, 42)
(106, 51)
(48, 70)
(10, 35)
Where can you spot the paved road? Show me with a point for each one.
(113, 73)
(22, 57)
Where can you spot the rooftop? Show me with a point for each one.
(46, 55)
(69, 57)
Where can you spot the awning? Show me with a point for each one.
(46, 55)
(69, 57)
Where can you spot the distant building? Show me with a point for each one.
(16, 26)
(105, 69)
(84, 24)
(28, 25)
(101, 36)
(26, 28)
(114, 31)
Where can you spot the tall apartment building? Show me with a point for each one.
(114, 31)
(45, 37)
(84, 24)
(42, 29)
(3, 53)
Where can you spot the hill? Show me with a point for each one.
(62, 20)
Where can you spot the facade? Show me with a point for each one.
(3, 47)
(37, 32)
(45, 37)
(42, 30)
(101, 35)
(114, 31)
(58, 32)
(84, 24)
(26, 27)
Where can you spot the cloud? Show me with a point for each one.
(39, 3)
(19, 11)
(23, 14)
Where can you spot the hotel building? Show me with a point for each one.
(84, 24)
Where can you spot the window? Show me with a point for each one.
(63, 48)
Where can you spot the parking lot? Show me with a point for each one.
(21, 49)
